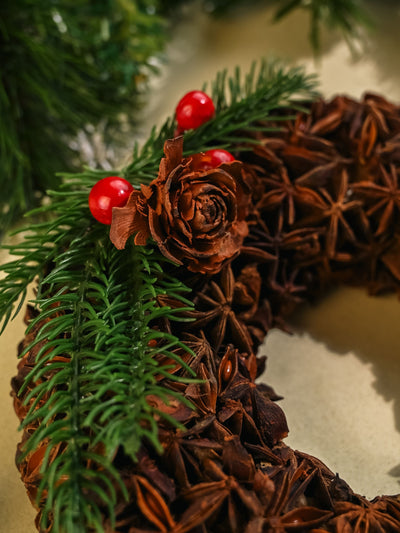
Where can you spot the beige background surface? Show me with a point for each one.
(340, 370)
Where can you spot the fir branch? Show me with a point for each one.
(44, 240)
(60, 62)
(91, 389)
(241, 102)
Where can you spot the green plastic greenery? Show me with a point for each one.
(95, 309)
(95, 305)
(241, 101)
(65, 65)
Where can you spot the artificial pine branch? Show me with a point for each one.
(64, 66)
(95, 363)
(43, 241)
(93, 373)
(241, 100)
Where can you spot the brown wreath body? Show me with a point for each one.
(321, 204)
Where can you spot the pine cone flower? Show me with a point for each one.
(197, 218)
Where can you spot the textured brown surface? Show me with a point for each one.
(197, 218)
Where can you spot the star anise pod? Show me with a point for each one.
(376, 264)
(182, 449)
(336, 210)
(297, 244)
(204, 394)
(224, 494)
(194, 350)
(377, 516)
(283, 195)
(284, 292)
(156, 511)
(376, 121)
(247, 291)
(217, 311)
(289, 507)
(382, 198)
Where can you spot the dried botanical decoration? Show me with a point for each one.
(314, 203)
(382, 198)
(197, 218)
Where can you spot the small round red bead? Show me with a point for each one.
(107, 193)
(193, 110)
(212, 159)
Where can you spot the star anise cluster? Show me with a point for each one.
(331, 203)
(325, 208)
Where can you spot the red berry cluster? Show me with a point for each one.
(193, 110)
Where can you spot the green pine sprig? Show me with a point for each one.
(95, 362)
(98, 397)
(43, 241)
(241, 102)
(97, 305)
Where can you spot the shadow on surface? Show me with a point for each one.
(366, 326)
(384, 40)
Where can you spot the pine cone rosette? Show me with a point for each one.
(197, 218)
(323, 207)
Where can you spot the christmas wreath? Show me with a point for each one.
(136, 386)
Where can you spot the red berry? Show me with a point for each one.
(108, 193)
(212, 159)
(193, 110)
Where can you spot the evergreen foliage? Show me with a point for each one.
(95, 307)
(93, 349)
(63, 66)
(240, 101)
